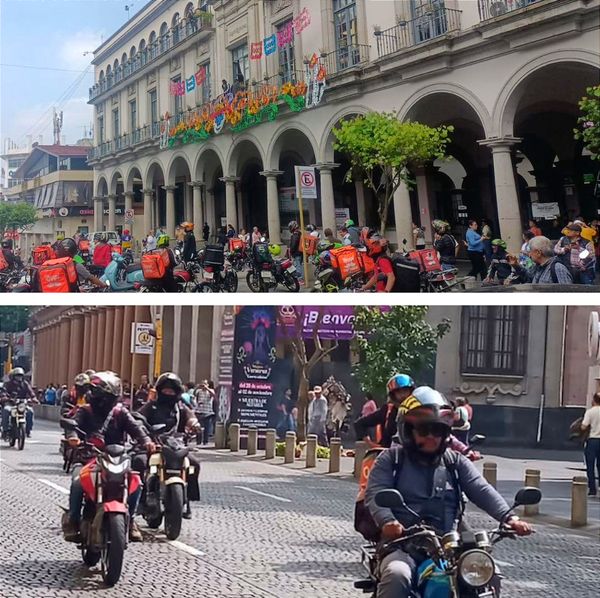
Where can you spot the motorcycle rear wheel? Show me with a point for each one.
(291, 283)
(21, 437)
(231, 282)
(254, 282)
(115, 535)
(204, 287)
(173, 511)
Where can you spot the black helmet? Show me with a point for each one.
(105, 391)
(68, 246)
(7, 244)
(169, 388)
(424, 406)
(292, 226)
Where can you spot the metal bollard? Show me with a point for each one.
(269, 443)
(579, 502)
(290, 447)
(311, 450)
(490, 473)
(234, 438)
(532, 478)
(335, 455)
(252, 441)
(220, 436)
(360, 448)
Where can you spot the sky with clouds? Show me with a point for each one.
(51, 34)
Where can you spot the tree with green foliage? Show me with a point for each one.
(396, 341)
(589, 121)
(14, 318)
(16, 216)
(382, 150)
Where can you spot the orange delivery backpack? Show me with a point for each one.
(427, 259)
(310, 244)
(58, 276)
(42, 254)
(235, 244)
(155, 264)
(3, 262)
(346, 261)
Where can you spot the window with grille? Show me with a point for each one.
(494, 340)
(177, 100)
(286, 57)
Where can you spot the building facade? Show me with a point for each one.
(175, 140)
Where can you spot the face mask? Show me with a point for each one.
(165, 399)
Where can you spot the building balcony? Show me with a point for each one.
(490, 9)
(128, 141)
(408, 34)
(194, 27)
(345, 58)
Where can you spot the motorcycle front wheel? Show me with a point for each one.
(173, 511)
(21, 437)
(231, 282)
(291, 283)
(254, 282)
(115, 534)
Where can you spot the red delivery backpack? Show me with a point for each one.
(42, 254)
(3, 262)
(155, 264)
(58, 276)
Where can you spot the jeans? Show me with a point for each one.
(592, 462)
(587, 277)
(5, 419)
(448, 266)
(487, 250)
(206, 421)
(28, 421)
(76, 498)
(299, 263)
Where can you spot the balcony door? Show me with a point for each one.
(346, 34)
(429, 19)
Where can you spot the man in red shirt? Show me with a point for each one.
(102, 252)
(383, 275)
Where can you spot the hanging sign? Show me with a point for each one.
(270, 44)
(306, 182)
(142, 338)
(180, 88)
(283, 37)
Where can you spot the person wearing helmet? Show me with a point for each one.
(106, 418)
(163, 243)
(169, 409)
(353, 231)
(500, 270)
(18, 388)
(12, 259)
(383, 421)
(445, 244)
(102, 251)
(311, 229)
(431, 478)
(384, 278)
(274, 249)
(189, 242)
(295, 249)
(77, 396)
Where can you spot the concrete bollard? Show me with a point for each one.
(335, 455)
(360, 448)
(579, 502)
(311, 450)
(290, 447)
(220, 436)
(490, 473)
(234, 438)
(252, 441)
(532, 478)
(269, 443)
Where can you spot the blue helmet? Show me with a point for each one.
(400, 381)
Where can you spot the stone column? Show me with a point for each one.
(188, 203)
(198, 214)
(209, 206)
(108, 336)
(194, 341)
(359, 186)
(424, 204)
(403, 215)
(91, 364)
(117, 335)
(125, 368)
(87, 339)
(98, 212)
(230, 200)
(112, 212)
(148, 209)
(63, 363)
(273, 205)
(170, 189)
(76, 346)
(54, 342)
(507, 198)
(101, 327)
(327, 200)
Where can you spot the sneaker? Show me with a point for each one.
(70, 529)
(135, 535)
(187, 514)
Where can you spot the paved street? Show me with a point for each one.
(260, 530)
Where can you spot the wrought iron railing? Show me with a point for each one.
(175, 36)
(406, 34)
(345, 57)
(489, 9)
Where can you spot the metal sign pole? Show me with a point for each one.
(301, 208)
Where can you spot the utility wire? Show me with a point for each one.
(40, 68)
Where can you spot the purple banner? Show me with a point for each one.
(337, 321)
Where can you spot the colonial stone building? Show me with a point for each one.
(174, 139)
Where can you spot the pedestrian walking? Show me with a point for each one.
(204, 396)
(418, 236)
(285, 407)
(577, 253)
(534, 228)
(256, 235)
(150, 242)
(317, 417)
(591, 426)
(230, 231)
(475, 251)
(369, 406)
(205, 232)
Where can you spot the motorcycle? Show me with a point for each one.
(217, 276)
(122, 273)
(107, 481)
(165, 487)
(9, 280)
(238, 259)
(458, 564)
(262, 277)
(16, 432)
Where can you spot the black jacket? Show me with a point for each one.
(446, 247)
(295, 248)
(382, 418)
(19, 390)
(189, 247)
(159, 414)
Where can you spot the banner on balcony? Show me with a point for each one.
(246, 108)
(282, 38)
(180, 88)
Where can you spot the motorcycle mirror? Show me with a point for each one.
(527, 495)
(390, 499)
(476, 439)
(404, 242)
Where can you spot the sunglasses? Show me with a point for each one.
(431, 429)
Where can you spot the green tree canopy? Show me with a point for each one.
(589, 121)
(14, 318)
(396, 341)
(16, 216)
(381, 150)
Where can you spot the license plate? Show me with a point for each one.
(266, 275)
(291, 269)
(209, 275)
(191, 470)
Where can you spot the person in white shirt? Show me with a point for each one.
(317, 416)
(591, 422)
(150, 242)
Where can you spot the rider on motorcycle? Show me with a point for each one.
(189, 242)
(427, 469)
(18, 388)
(14, 261)
(383, 278)
(103, 415)
(169, 409)
(77, 396)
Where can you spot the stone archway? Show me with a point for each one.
(154, 197)
(99, 195)
(209, 172)
(134, 198)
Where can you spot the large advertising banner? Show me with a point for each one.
(260, 379)
(225, 379)
(335, 322)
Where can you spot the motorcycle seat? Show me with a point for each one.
(115, 450)
(133, 267)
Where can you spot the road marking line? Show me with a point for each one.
(280, 498)
(503, 563)
(185, 548)
(55, 486)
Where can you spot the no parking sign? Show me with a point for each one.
(306, 182)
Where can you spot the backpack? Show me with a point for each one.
(261, 253)
(58, 276)
(309, 243)
(363, 520)
(406, 272)
(155, 264)
(346, 261)
(567, 266)
(235, 244)
(3, 262)
(42, 254)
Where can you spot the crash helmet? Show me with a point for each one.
(348, 222)
(377, 247)
(325, 259)
(399, 382)
(163, 241)
(16, 372)
(292, 226)
(499, 243)
(310, 228)
(102, 238)
(440, 226)
(324, 246)
(169, 388)
(274, 249)
(105, 391)
(82, 381)
(187, 226)
(67, 247)
(90, 373)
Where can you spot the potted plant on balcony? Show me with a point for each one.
(203, 16)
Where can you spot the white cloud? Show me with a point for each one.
(71, 49)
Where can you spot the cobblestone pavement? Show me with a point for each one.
(261, 530)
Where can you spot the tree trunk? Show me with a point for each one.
(302, 406)
(384, 212)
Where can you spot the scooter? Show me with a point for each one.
(122, 273)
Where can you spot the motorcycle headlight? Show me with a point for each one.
(21, 408)
(476, 568)
(116, 468)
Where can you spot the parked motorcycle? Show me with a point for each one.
(165, 486)
(458, 564)
(122, 273)
(9, 280)
(266, 273)
(107, 481)
(238, 259)
(217, 276)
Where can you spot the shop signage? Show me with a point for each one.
(545, 210)
(341, 215)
